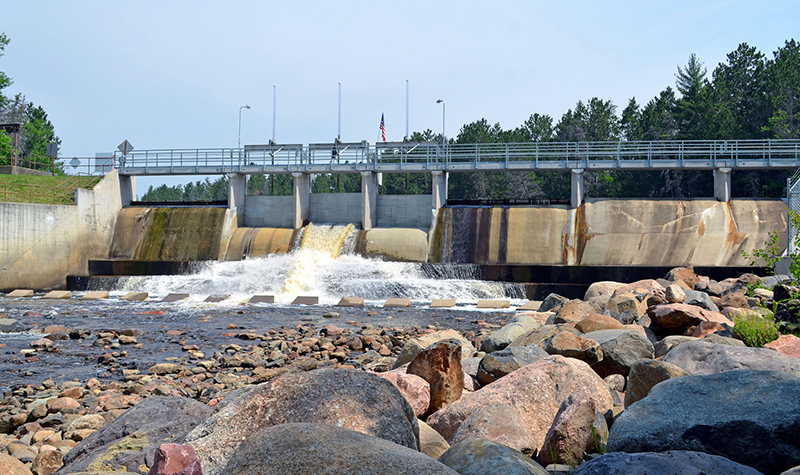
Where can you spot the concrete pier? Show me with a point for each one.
(369, 200)
(722, 184)
(301, 185)
(576, 196)
(237, 191)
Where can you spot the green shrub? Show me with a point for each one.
(755, 330)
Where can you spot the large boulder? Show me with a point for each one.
(700, 299)
(476, 456)
(440, 365)
(416, 390)
(131, 440)
(574, 346)
(356, 400)
(499, 423)
(574, 311)
(672, 462)
(519, 325)
(787, 345)
(669, 342)
(538, 336)
(536, 391)
(500, 363)
(11, 466)
(431, 443)
(750, 417)
(414, 346)
(675, 318)
(702, 357)
(647, 373)
(571, 432)
(686, 274)
(621, 349)
(602, 289)
(597, 321)
(300, 448)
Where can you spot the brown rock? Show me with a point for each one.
(537, 337)
(733, 299)
(41, 435)
(440, 366)
(47, 462)
(647, 373)
(175, 459)
(685, 274)
(571, 345)
(536, 391)
(602, 289)
(414, 346)
(500, 423)
(416, 390)
(787, 345)
(626, 307)
(67, 405)
(674, 318)
(574, 311)
(596, 321)
(74, 393)
(571, 431)
(648, 285)
(704, 328)
(11, 466)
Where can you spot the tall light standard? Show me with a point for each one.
(240, 126)
(441, 101)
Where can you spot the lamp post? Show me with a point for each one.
(441, 101)
(239, 144)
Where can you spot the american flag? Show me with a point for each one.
(383, 129)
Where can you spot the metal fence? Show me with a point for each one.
(793, 205)
(419, 156)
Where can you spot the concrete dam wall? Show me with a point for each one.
(599, 232)
(608, 232)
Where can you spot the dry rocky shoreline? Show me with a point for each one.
(643, 377)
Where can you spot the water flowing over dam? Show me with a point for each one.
(324, 264)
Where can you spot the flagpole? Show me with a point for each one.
(407, 137)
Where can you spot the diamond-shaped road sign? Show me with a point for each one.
(125, 147)
(74, 162)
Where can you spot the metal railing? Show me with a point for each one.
(420, 156)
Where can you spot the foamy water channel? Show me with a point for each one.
(323, 264)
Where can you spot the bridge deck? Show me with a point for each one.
(391, 157)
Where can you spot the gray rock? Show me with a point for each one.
(673, 462)
(771, 281)
(700, 299)
(792, 471)
(701, 357)
(327, 450)
(647, 373)
(519, 325)
(498, 364)
(476, 456)
(552, 301)
(9, 325)
(621, 349)
(355, 400)
(750, 417)
(470, 365)
(131, 439)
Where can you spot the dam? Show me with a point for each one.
(405, 242)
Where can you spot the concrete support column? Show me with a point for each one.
(301, 184)
(237, 191)
(127, 189)
(369, 200)
(722, 184)
(576, 197)
(439, 189)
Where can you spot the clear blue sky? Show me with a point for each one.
(173, 74)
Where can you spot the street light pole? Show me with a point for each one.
(441, 101)
(239, 143)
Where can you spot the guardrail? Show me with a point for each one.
(420, 156)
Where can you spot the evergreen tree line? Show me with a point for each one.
(36, 130)
(748, 96)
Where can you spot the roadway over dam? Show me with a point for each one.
(439, 159)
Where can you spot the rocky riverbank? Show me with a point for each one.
(650, 376)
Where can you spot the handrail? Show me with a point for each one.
(338, 156)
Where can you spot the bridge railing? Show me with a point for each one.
(343, 156)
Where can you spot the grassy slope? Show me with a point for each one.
(44, 189)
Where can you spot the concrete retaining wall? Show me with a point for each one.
(404, 211)
(268, 211)
(334, 208)
(41, 244)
